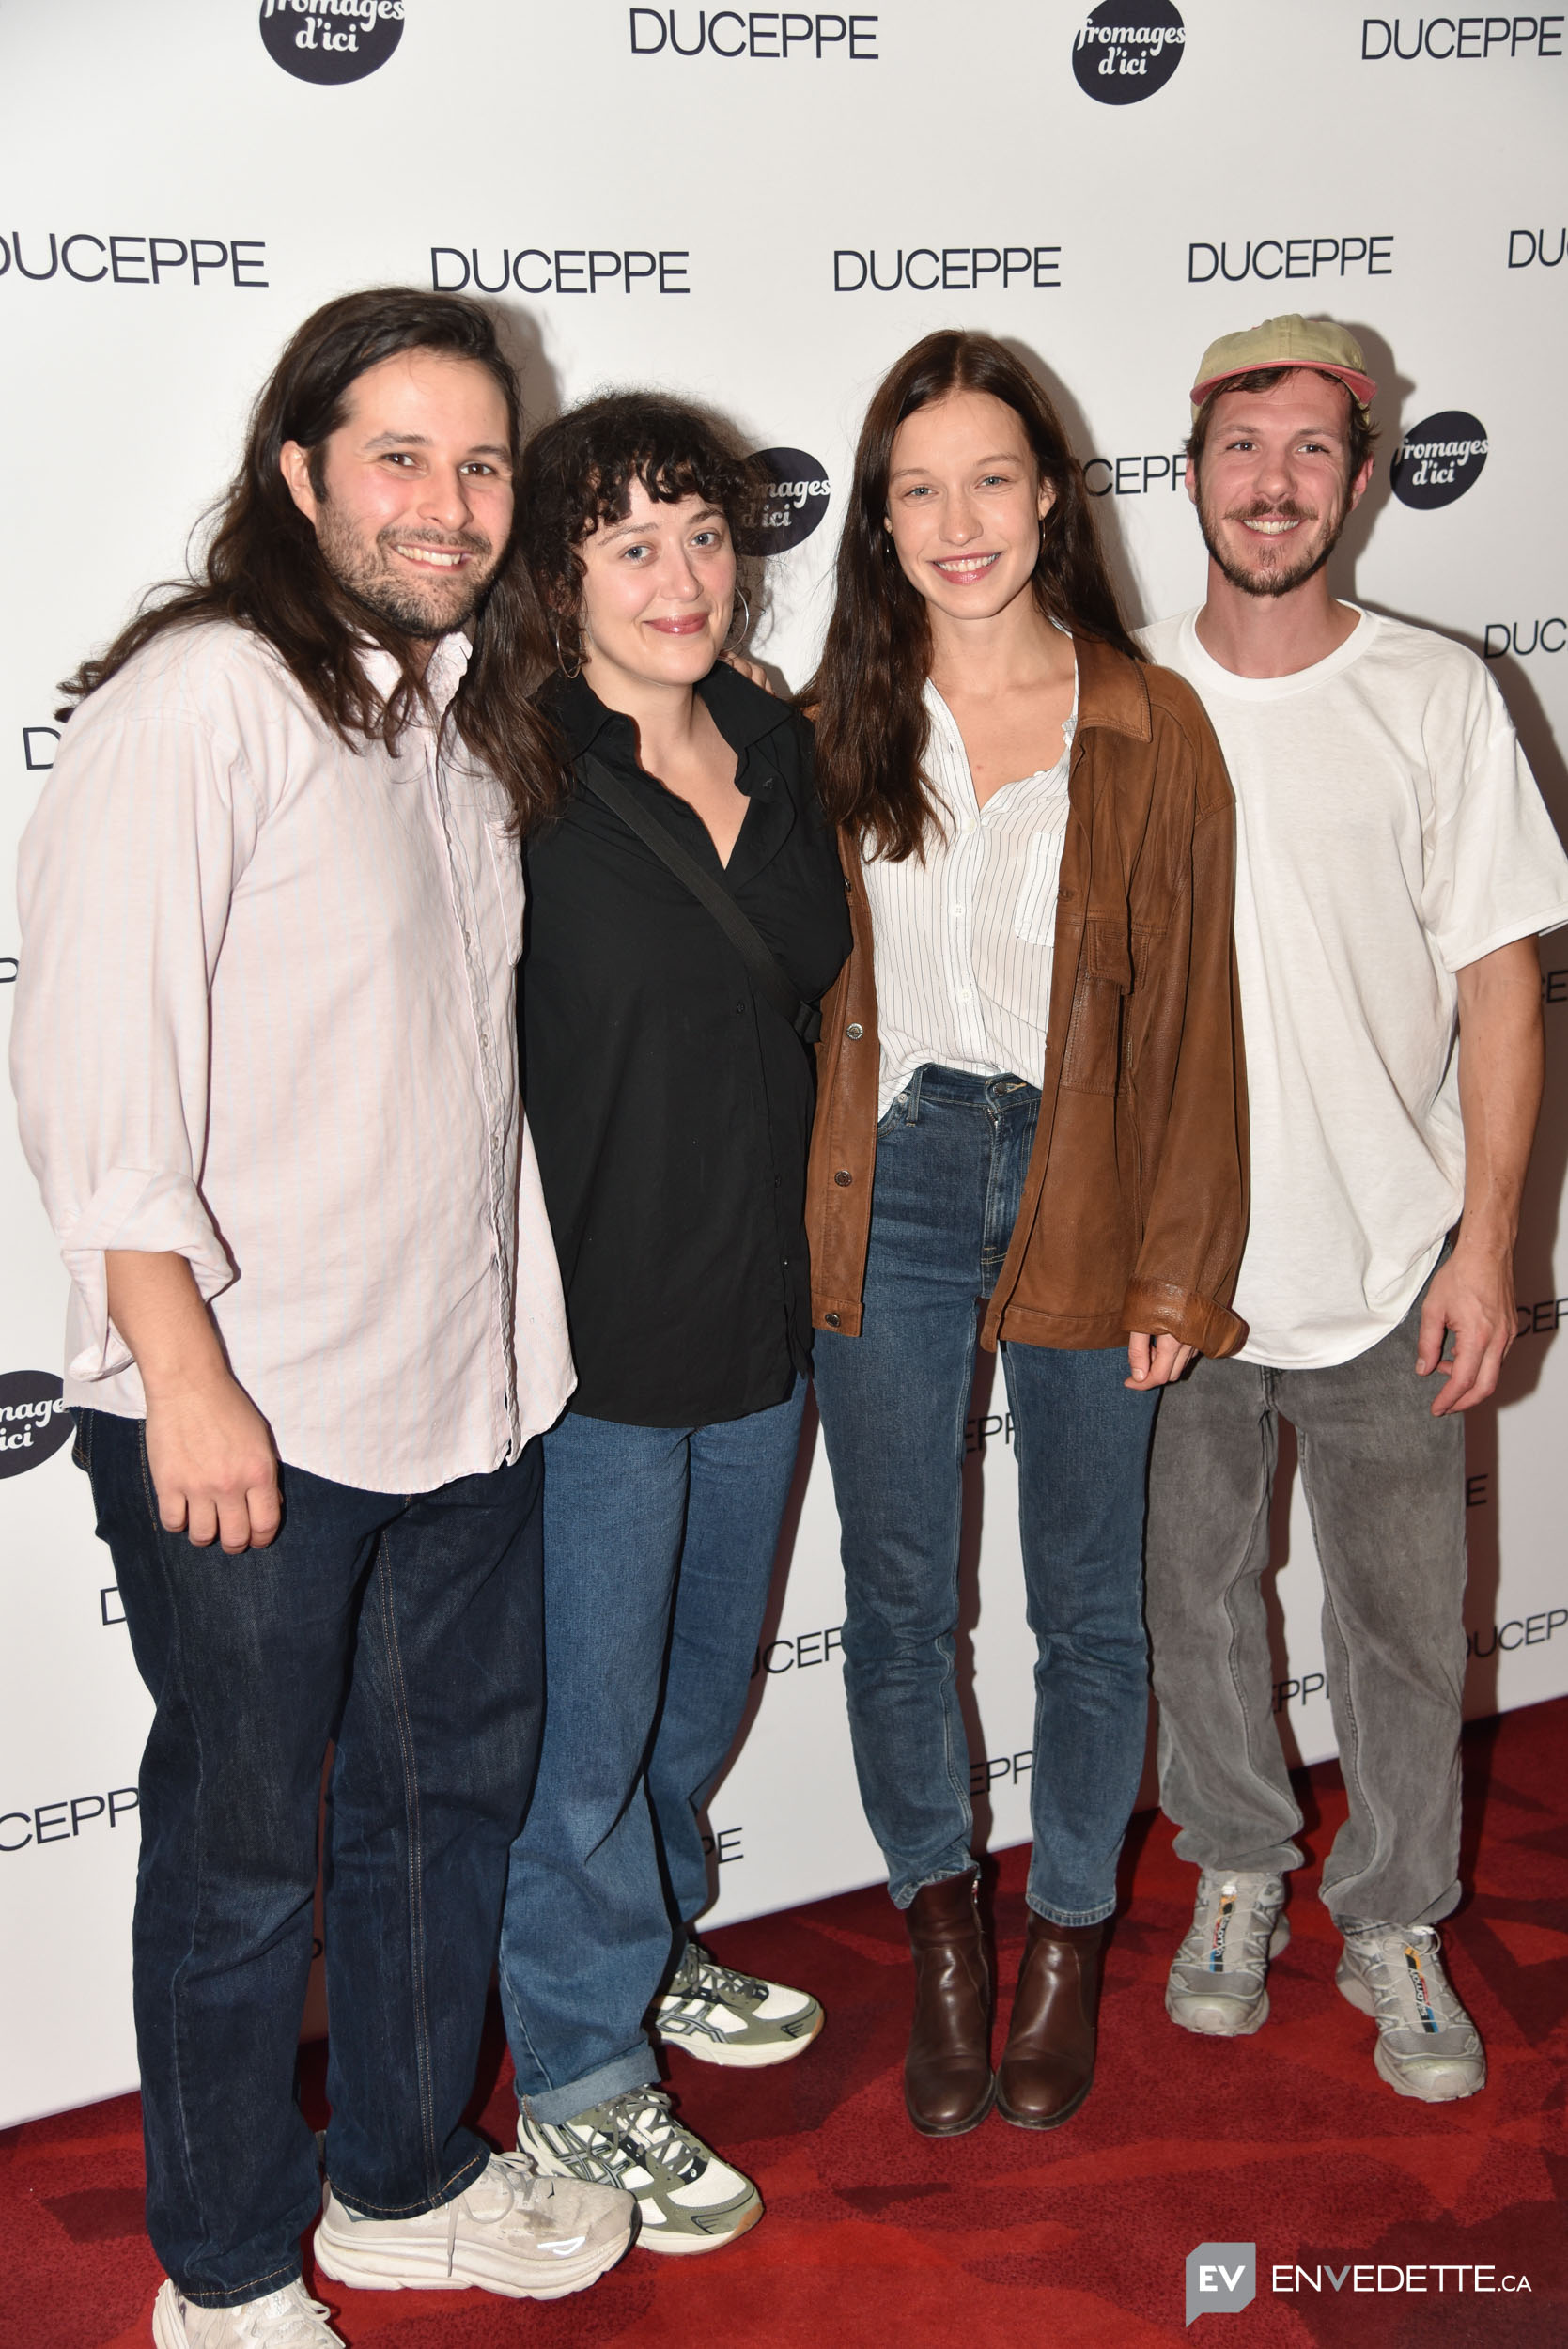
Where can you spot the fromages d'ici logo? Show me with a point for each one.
(34, 1420)
(795, 498)
(330, 40)
(1127, 49)
(1438, 460)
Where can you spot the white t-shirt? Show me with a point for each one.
(1389, 832)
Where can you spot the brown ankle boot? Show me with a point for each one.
(948, 2086)
(1048, 2063)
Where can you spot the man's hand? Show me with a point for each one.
(1472, 1295)
(752, 670)
(213, 1466)
(1155, 1363)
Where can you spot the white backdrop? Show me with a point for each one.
(761, 209)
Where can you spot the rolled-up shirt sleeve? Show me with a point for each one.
(125, 877)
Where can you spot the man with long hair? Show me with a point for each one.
(1395, 864)
(265, 1056)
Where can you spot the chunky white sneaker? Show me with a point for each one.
(1427, 2045)
(687, 2200)
(724, 2017)
(527, 2237)
(289, 2319)
(1217, 1983)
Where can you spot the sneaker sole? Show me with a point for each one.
(738, 2057)
(421, 2268)
(687, 2246)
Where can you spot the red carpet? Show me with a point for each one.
(1004, 2240)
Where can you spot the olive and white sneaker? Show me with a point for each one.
(289, 2319)
(512, 2231)
(1219, 1981)
(687, 2200)
(724, 2017)
(1427, 2045)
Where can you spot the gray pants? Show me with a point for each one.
(1385, 1486)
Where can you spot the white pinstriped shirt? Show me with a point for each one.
(266, 1018)
(964, 940)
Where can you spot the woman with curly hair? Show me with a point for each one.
(686, 912)
(1031, 1133)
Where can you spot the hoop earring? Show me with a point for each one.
(560, 657)
(731, 639)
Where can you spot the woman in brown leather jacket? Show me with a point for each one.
(1030, 1128)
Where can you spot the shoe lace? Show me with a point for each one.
(701, 1973)
(642, 2133)
(1409, 1988)
(1222, 1898)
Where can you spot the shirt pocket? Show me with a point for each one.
(1034, 913)
(507, 863)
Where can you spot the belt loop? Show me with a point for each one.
(911, 1115)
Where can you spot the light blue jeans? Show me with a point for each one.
(952, 1154)
(659, 1545)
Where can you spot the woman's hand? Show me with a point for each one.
(1154, 1365)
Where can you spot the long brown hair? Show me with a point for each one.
(871, 722)
(263, 568)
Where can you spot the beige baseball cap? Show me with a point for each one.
(1291, 341)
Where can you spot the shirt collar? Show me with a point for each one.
(742, 713)
(445, 671)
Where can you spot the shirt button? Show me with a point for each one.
(854, 1032)
(830, 1321)
(740, 1008)
(844, 1176)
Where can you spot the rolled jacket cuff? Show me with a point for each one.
(155, 1213)
(1158, 1306)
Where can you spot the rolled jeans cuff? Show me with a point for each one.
(636, 2069)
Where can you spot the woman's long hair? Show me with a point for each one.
(576, 476)
(871, 722)
(263, 567)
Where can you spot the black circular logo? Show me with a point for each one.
(1438, 460)
(795, 498)
(33, 1421)
(1128, 49)
(330, 40)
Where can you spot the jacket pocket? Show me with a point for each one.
(1092, 1060)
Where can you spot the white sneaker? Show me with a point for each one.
(724, 2017)
(1427, 2045)
(527, 2237)
(1217, 1983)
(289, 2319)
(687, 2200)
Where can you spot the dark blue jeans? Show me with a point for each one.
(658, 1551)
(408, 1629)
(951, 1157)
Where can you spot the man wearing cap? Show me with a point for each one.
(1394, 863)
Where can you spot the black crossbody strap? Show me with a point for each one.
(767, 974)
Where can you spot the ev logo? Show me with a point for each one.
(330, 40)
(1439, 458)
(795, 498)
(1119, 61)
(1221, 2278)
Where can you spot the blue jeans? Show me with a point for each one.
(951, 1157)
(408, 1629)
(658, 1551)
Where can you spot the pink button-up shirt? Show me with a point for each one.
(266, 1017)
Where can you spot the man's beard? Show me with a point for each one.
(1280, 580)
(419, 609)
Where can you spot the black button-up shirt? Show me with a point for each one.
(669, 1106)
